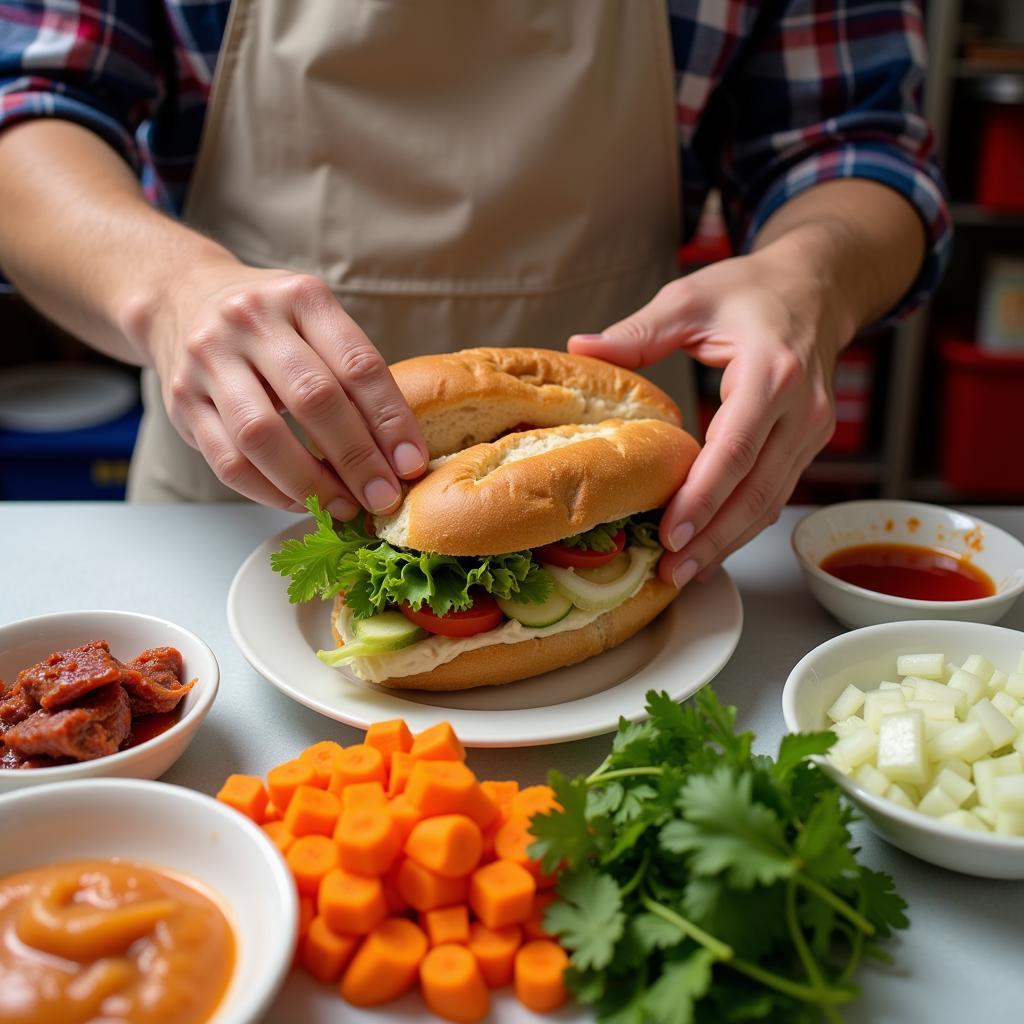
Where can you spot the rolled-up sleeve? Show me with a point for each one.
(833, 91)
(92, 63)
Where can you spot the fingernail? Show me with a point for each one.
(684, 572)
(408, 459)
(680, 536)
(342, 510)
(380, 495)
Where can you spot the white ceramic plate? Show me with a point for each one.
(46, 397)
(681, 651)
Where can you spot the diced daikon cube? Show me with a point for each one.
(956, 786)
(951, 667)
(885, 684)
(848, 725)
(966, 740)
(963, 819)
(985, 815)
(936, 710)
(955, 765)
(881, 702)
(1009, 792)
(852, 751)
(1009, 823)
(1005, 703)
(936, 802)
(873, 780)
(927, 666)
(928, 689)
(848, 703)
(969, 683)
(1001, 731)
(898, 795)
(901, 754)
(1015, 685)
(980, 666)
(997, 681)
(1018, 718)
(935, 727)
(908, 690)
(987, 770)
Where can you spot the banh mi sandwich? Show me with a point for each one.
(531, 541)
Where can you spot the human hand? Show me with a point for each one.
(776, 332)
(234, 346)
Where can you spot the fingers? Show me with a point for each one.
(355, 362)
(255, 428)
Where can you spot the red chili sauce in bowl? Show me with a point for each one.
(907, 570)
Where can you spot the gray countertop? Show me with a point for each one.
(960, 960)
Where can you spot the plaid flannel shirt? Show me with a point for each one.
(773, 97)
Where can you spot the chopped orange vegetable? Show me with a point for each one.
(246, 794)
(501, 893)
(449, 844)
(399, 771)
(272, 813)
(307, 911)
(405, 814)
(310, 858)
(363, 793)
(538, 971)
(323, 756)
(512, 841)
(359, 763)
(351, 904)
(449, 787)
(489, 834)
(452, 985)
(368, 839)
(283, 780)
(534, 800)
(278, 832)
(325, 953)
(386, 965)
(438, 743)
(446, 924)
(423, 890)
(533, 926)
(390, 738)
(495, 951)
(312, 812)
(392, 897)
(502, 793)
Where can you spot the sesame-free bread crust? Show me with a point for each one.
(463, 398)
(508, 663)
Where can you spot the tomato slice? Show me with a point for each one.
(482, 616)
(580, 558)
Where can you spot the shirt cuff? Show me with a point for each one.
(920, 186)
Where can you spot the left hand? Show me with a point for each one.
(776, 330)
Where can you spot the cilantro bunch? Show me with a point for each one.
(374, 575)
(708, 883)
(640, 529)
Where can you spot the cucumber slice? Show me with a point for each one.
(599, 597)
(615, 569)
(379, 634)
(553, 610)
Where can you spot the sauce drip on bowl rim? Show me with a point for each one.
(910, 571)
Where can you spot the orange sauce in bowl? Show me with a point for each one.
(110, 941)
(906, 570)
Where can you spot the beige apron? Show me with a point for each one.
(460, 172)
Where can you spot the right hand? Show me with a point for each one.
(235, 345)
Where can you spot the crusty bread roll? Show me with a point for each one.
(508, 663)
(540, 486)
(475, 395)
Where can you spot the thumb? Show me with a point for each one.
(647, 336)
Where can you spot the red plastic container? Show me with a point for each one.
(981, 436)
(1000, 182)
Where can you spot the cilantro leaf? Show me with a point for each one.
(600, 538)
(796, 747)
(720, 723)
(728, 913)
(563, 834)
(880, 903)
(724, 830)
(655, 932)
(588, 918)
(671, 998)
(823, 841)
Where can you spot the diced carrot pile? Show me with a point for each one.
(410, 869)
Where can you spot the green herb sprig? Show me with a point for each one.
(704, 882)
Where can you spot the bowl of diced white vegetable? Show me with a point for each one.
(929, 717)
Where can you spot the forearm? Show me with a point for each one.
(857, 244)
(79, 240)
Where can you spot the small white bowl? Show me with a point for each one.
(850, 523)
(28, 641)
(164, 826)
(865, 657)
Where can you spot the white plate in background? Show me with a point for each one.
(47, 397)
